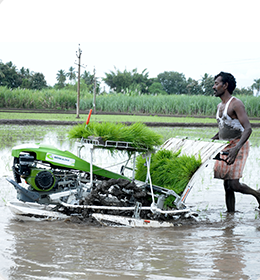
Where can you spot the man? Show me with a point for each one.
(235, 127)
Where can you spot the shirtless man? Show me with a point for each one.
(235, 127)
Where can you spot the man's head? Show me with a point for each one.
(227, 78)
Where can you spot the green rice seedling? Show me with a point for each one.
(169, 201)
(137, 134)
(169, 170)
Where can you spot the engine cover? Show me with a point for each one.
(41, 179)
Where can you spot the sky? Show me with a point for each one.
(192, 37)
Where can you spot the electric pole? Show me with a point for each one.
(78, 54)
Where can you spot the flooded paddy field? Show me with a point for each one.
(218, 246)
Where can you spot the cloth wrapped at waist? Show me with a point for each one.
(234, 171)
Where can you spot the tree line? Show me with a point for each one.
(126, 82)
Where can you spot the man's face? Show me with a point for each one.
(219, 88)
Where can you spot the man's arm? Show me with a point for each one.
(240, 113)
(216, 137)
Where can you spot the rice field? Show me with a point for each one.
(11, 134)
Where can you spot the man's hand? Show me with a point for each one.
(232, 154)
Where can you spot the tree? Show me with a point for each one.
(156, 88)
(26, 78)
(9, 76)
(22, 71)
(25, 73)
(123, 81)
(118, 81)
(256, 85)
(243, 91)
(207, 82)
(173, 82)
(88, 78)
(61, 78)
(141, 80)
(193, 87)
(38, 81)
(71, 74)
(2, 75)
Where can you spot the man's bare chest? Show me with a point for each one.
(229, 112)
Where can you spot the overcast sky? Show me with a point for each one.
(192, 37)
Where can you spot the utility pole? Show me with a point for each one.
(78, 54)
(94, 92)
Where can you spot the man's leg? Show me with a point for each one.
(230, 196)
(236, 186)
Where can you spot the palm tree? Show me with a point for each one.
(61, 78)
(88, 78)
(25, 73)
(71, 74)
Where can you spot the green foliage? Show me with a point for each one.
(173, 82)
(156, 88)
(9, 75)
(35, 99)
(65, 99)
(38, 81)
(169, 170)
(12, 78)
(161, 104)
(71, 74)
(193, 87)
(90, 81)
(121, 82)
(61, 78)
(207, 83)
(137, 134)
(256, 85)
(243, 91)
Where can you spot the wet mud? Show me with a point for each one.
(121, 193)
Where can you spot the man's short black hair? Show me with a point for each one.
(227, 78)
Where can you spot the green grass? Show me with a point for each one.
(66, 99)
(104, 118)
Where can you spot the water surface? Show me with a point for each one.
(219, 246)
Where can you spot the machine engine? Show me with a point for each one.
(51, 184)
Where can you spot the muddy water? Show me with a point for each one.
(219, 246)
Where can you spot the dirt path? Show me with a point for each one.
(151, 124)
